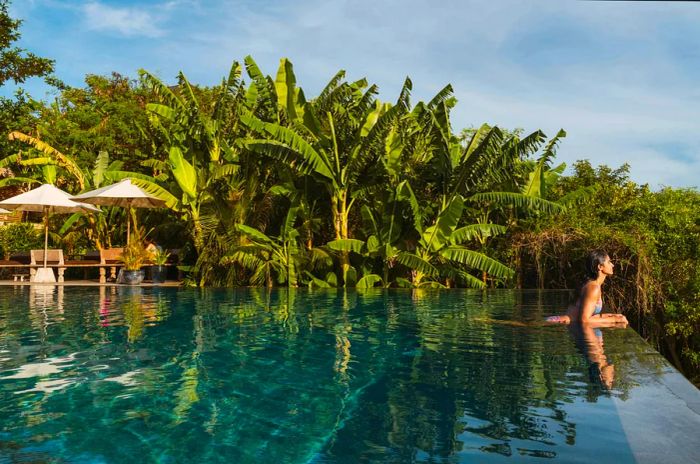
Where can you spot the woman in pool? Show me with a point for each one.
(588, 309)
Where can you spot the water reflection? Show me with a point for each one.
(294, 376)
(589, 341)
(105, 311)
(131, 307)
(46, 305)
(46, 297)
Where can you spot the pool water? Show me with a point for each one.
(115, 374)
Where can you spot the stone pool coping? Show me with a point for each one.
(662, 418)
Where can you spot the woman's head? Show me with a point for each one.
(596, 261)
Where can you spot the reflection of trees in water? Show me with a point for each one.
(464, 375)
(137, 309)
(471, 382)
(286, 370)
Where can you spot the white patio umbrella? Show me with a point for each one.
(3, 211)
(123, 194)
(47, 199)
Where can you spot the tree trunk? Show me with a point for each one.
(340, 220)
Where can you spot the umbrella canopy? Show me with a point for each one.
(46, 199)
(124, 194)
(3, 211)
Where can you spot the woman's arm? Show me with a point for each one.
(587, 315)
(597, 321)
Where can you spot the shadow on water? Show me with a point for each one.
(297, 376)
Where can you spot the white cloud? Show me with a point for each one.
(129, 22)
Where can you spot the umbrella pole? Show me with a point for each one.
(46, 233)
(128, 220)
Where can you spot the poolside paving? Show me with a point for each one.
(662, 418)
(90, 283)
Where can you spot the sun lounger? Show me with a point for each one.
(54, 258)
(109, 256)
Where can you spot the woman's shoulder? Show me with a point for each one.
(591, 287)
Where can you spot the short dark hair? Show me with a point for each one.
(595, 258)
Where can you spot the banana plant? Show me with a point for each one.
(279, 257)
(414, 140)
(336, 143)
(46, 158)
(272, 100)
(198, 148)
(210, 180)
(384, 227)
(441, 253)
(531, 196)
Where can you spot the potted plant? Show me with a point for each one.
(158, 269)
(133, 257)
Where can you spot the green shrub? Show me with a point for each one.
(19, 237)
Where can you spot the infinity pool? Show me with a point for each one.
(112, 375)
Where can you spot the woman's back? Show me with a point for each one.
(591, 290)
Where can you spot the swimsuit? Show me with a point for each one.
(597, 310)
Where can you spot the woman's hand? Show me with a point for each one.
(607, 320)
(619, 319)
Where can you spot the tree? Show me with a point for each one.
(196, 142)
(17, 64)
(336, 143)
(106, 114)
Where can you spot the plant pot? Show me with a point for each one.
(131, 277)
(158, 274)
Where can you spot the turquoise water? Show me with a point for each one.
(115, 375)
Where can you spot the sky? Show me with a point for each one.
(621, 77)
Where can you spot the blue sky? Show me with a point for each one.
(620, 77)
